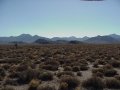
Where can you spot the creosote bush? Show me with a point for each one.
(71, 81)
(113, 83)
(67, 68)
(2, 72)
(79, 73)
(84, 67)
(117, 77)
(34, 84)
(115, 63)
(46, 76)
(59, 74)
(26, 76)
(94, 83)
(75, 68)
(63, 86)
(98, 74)
(110, 73)
(50, 67)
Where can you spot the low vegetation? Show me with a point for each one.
(60, 67)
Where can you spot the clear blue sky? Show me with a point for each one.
(59, 17)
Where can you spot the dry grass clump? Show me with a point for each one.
(107, 71)
(2, 72)
(95, 65)
(67, 68)
(34, 84)
(115, 63)
(27, 75)
(71, 81)
(79, 73)
(22, 67)
(101, 70)
(94, 83)
(50, 67)
(75, 68)
(112, 83)
(117, 77)
(10, 81)
(110, 73)
(98, 74)
(84, 67)
(13, 74)
(6, 66)
(59, 74)
(101, 62)
(46, 76)
(63, 86)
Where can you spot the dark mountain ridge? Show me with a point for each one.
(27, 38)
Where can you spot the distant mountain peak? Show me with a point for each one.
(112, 38)
(24, 35)
(102, 40)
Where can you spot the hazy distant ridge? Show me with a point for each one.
(27, 38)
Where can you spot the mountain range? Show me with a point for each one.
(27, 38)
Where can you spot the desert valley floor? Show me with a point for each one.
(60, 67)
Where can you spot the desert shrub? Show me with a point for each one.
(61, 62)
(59, 74)
(22, 67)
(50, 67)
(101, 70)
(6, 66)
(107, 66)
(2, 72)
(63, 86)
(1, 78)
(46, 76)
(95, 65)
(83, 61)
(9, 81)
(13, 74)
(13, 68)
(79, 73)
(71, 81)
(94, 83)
(102, 62)
(67, 68)
(75, 68)
(10, 60)
(27, 75)
(112, 83)
(115, 63)
(110, 73)
(34, 84)
(98, 74)
(52, 62)
(84, 67)
(46, 87)
(117, 77)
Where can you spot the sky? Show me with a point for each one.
(59, 18)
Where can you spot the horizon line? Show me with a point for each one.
(58, 36)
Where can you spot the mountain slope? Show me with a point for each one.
(115, 36)
(102, 40)
(72, 38)
(21, 38)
